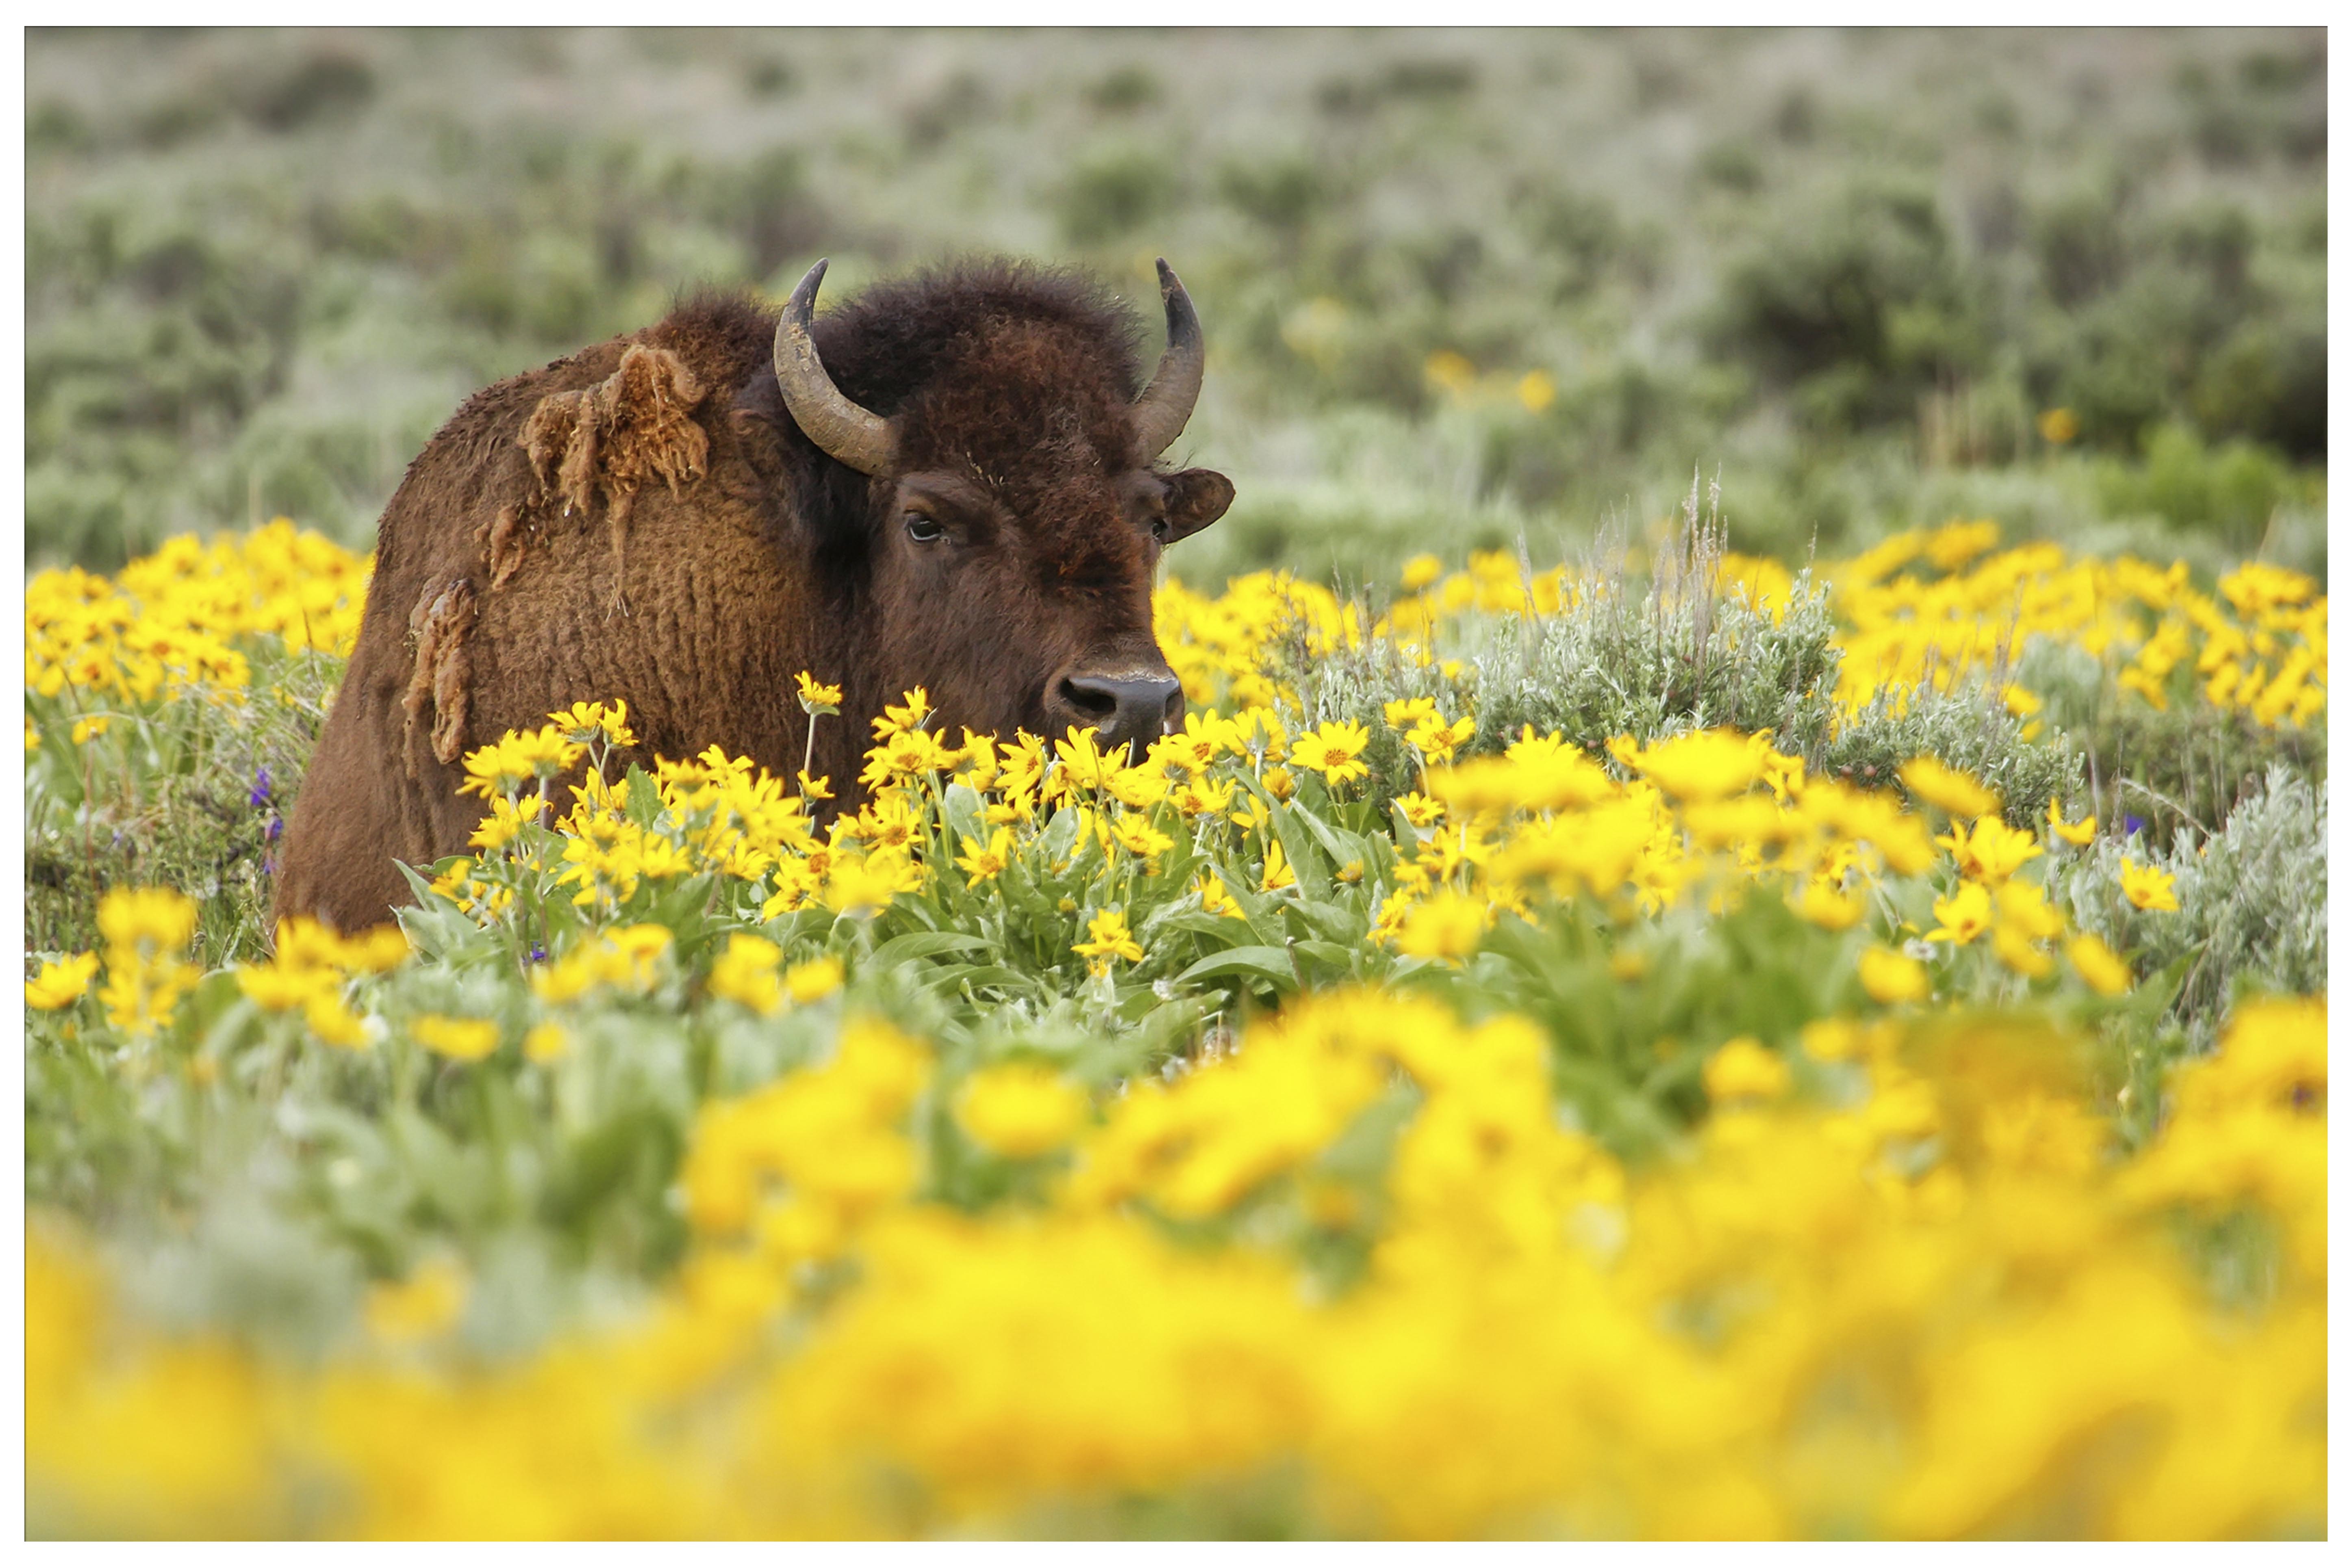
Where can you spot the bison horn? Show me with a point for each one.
(1164, 406)
(851, 434)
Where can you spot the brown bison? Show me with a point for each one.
(953, 482)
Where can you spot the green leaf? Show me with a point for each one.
(1266, 963)
(1341, 845)
(966, 811)
(980, 976)
(644, 801)
(926, 944)
(1341, 959)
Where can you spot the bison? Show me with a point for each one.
(952, 482)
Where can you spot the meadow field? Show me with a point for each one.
(1733, 943)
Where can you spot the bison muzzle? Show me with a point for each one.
(953, 482)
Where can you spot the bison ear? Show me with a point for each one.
(1196, 497)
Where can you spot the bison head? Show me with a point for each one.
(1014, 508)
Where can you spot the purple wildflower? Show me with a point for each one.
(259, 795)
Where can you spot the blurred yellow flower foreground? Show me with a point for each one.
(1779, 1334)
(1376, 1125)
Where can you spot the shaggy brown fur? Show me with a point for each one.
(500, 595)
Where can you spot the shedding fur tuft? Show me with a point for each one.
(605, 441)
(443, 671)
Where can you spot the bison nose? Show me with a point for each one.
(1127, 709)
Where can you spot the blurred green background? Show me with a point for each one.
(1461, 287)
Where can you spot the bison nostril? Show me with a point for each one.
(1124, 708)
(1089, 698)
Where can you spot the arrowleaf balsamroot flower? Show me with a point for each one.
(1136, 834)
(1744, 1070)
(1706, 764)
(2077, 833)
(151, 920)
(1448, 926)
(1948, 789)
(2014, 946)
(1990, 850)
(746, 973)
(815, 696)
(62, 982)
(1215, 900)
(982, 861)
(1020, 1109)
(1827, 908)
(2096, 963)
(2147, 887)
(1109, 938)
(914, 708)
(467, 1039)
(585, 722)
(814, 981)
(1964, 915)
(1890, 976)
(147, 931)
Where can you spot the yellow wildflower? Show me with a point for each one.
(155, 919)
(815, 696)
(588, 721)
(1706, 764)
(746, 973)
(2014, 946)
(813, 981)
(1139, 837)
(1447, 925)
(893, 720)
(467, 1039)
(1990, 850)
(2072, 832)
(1109, 938)
(2147, 887)
(61, 983)
(2096, 963)
(982, 861)
(1890, 976)
(1019, 1110)
(1965, 916)
(1823, 904)
(1215, 900)
(1948, 789)
(1743, 1070)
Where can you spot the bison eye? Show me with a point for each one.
(1159, 528)
(921, 529)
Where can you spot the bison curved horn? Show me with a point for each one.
(864, 440)
(1163, 407)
